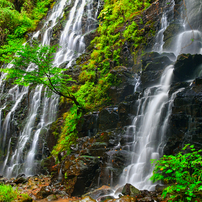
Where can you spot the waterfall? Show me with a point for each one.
(150, 123)
(72, 38)
(189, 36)
(25, 154)
(147, 132)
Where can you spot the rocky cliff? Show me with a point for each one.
(106, 136)
(102, 151)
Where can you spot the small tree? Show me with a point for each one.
(34, 65)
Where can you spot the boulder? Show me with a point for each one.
(130, 190)
(100, 192)
(44, 192)
(79, 173)
(19, 180)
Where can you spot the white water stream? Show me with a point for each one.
(42, 109)
(72, 38)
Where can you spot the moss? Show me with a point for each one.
(119, 22)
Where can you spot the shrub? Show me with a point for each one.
(183, 171)
(7, 193)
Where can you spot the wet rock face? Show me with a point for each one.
(88, 161)
(153, 65)
(170, 35)
(126, 84)
(185, 121)
(128, 109)
(88, 125)
(187, 67)
(100, 154)
(80, 173)
(101, 151)
(108, 118)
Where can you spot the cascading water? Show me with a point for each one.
(148, 134)
(150, 123)
(72, 38)
(189, 36)
(24, 156)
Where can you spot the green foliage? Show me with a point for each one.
(13, 22)
(7, 193)
(68, 135)
(7, 50)
(16, 19)
(183, 171)
(40, 9)
(116, 15)
(107, 47)
(24, 197)
(34, 65)
(41, 70)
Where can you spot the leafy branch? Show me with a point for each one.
(34, 65)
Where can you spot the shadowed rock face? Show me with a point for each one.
(153, 65)
(186, 119)
(187, 67)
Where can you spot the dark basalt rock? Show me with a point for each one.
(20, 179)
(153, 65)
(80, 172)
(126, 57)
(185, 122)
(108, 118)
(88, 125)
(128, 109)
(90, 36)
(186, 66)
(170, 35)
(126, 86)
(81, 169)
(114, 161)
